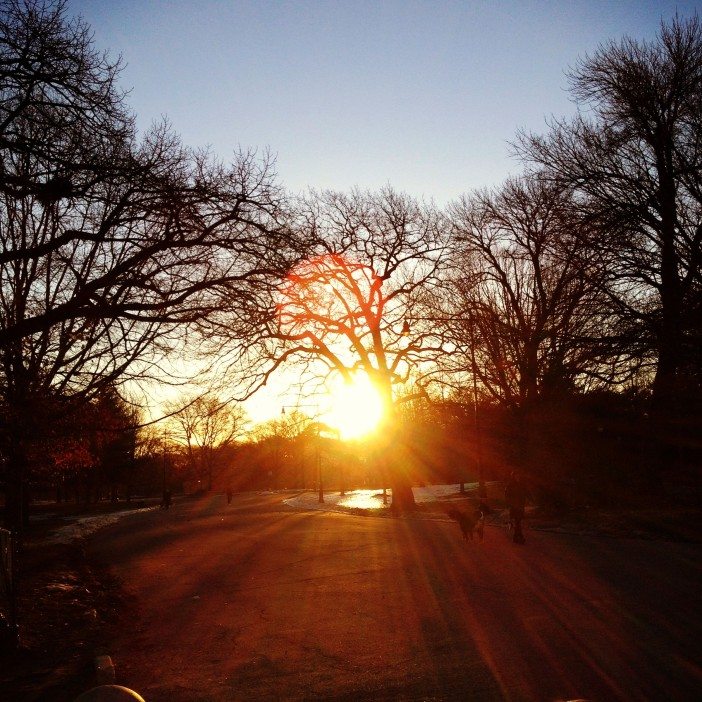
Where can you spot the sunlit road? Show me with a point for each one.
(254, 601)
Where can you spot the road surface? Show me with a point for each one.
(255, 601)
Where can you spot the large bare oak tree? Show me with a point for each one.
(345, 309)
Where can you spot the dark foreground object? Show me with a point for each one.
(110, 693)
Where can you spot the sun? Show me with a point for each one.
(356, 408)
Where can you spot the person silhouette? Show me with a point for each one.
(515, 497)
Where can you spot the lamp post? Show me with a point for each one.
(164, 463)
(482, 491)
(320, 495)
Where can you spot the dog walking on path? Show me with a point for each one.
(470, 523)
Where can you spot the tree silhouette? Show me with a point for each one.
(343, 310)
(635, 165)
(524, 300)
(110, 244)
(203, 425)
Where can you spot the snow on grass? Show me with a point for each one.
(372, 499)
(88, 525)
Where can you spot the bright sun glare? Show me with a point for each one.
(356, 408)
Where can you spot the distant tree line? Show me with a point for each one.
(552, 324)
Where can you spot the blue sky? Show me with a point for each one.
(422, 95)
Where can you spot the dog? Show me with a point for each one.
(470, 523)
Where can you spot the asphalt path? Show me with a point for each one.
(257, 601)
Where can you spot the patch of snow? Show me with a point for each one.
(88, 525)
(370, 499)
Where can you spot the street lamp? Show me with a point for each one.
(482, 491)
(164, 465)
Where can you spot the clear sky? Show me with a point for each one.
(422, 95)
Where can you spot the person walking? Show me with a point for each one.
(515, 497)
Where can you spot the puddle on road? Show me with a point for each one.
(362, 499)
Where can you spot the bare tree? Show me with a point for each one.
(204, 425)
(109, 245)
(51, 74)
(345, 310)
(284, 442)
(635, 164)
(525, 313)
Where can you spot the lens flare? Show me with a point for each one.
(356, 408)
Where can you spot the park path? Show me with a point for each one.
(258, 601)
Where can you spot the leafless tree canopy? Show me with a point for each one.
(110, 244)
(148, 235)
(523, 301)
(635, 165)
(370, 259)
(117, 248)
(347, 307)
(202, 426)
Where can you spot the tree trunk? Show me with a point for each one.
(402, 495)
(16, 502)
(393, 464)
(665, 385)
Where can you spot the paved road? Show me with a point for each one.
(254, 601)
